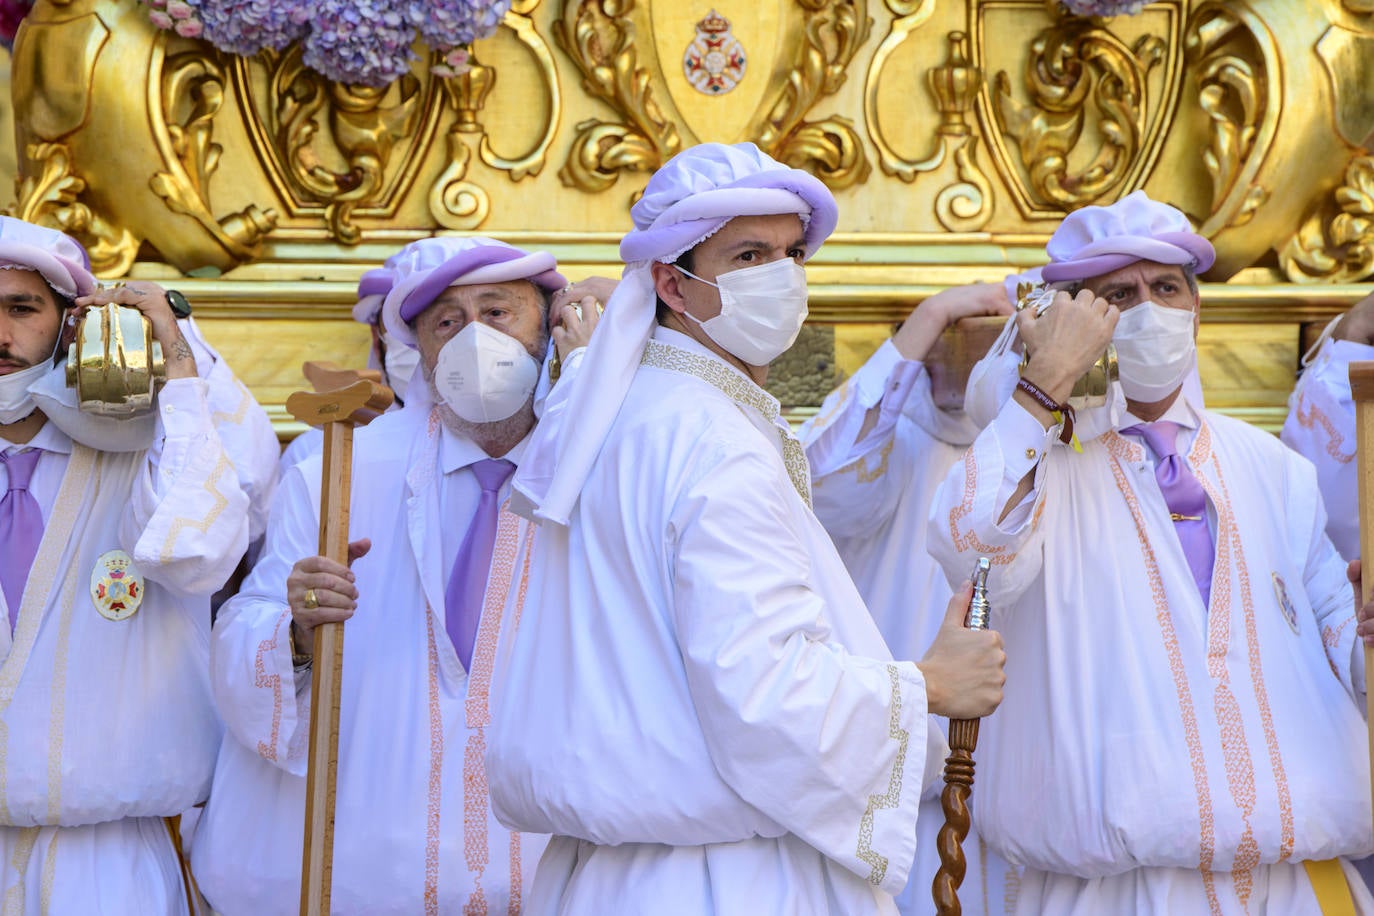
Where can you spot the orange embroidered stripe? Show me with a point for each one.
(1119, 448)
(436, 770)
(1334, 440)
(1266, 714)
(263, 680)
(967, 542)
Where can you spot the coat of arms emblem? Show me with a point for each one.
(714, 62)
(116, 585)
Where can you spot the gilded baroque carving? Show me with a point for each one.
(454, 201)
(830, 148)
(964, 205)
(1231, 74)
(1336, 244)
(599, 37)
(361, 127)
(51, 197)
(1077, 65)
(192, 92)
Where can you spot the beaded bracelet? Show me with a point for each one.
(1062, 413)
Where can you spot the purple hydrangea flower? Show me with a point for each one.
(245, 27)
(365, 42)
(1104, 8)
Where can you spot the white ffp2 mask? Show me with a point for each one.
(761, 310)
(484, 375)
(1155, 350)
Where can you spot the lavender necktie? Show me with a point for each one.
(21, 527)
(467, 581)
(1185, 498)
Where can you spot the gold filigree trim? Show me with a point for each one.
(893, 795)
(742, 391)
(19, 861)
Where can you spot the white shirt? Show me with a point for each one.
(77, 691)
(1159, 734)
(413, 825)
(691, 661)
(1321, 427)
(873, 495)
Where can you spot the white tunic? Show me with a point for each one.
(873, 496)
(696, 701)
(414, 833)
(1321, 427)
(1149, 749)
(107, 727)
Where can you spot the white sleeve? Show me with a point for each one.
(187, 525)
(243, 427)
(965, 519)
(251, 673)
(856, 483)
(787, 713)
(1321, 427)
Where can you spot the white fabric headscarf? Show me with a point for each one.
(686, 201)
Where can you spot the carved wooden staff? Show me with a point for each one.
(1362, 388)
(338, 412)
(963, 739)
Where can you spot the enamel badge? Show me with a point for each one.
(1290, 613)
(116, 586)
(714, 62)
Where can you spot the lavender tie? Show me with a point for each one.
(21, 527)
(1185, 498)
(467, 581)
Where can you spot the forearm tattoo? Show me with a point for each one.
(181, 349)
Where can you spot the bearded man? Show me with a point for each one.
(434, 555)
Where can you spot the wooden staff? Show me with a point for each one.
(1362, 388)
(338, 411)
(963, 739)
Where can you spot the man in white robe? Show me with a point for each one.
(1183, 732)
(413, 832)
(878, 448)
(115, 533)
(1321, 419)
(695, 701)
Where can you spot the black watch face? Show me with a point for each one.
(181, 307)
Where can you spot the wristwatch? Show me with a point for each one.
(181, 306)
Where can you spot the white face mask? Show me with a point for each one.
(761, 310)
(1155, 350)
(399, 363)
(484, 375)
(16, 401)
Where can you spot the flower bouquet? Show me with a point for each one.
(360, 42)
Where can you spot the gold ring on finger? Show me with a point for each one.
(312, 600)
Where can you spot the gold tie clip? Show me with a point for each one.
(1185, 518)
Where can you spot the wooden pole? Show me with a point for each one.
(338, 411)
(1362, 388)
(963, 740)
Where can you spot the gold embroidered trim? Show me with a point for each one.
(893, 795)
(737, 388)
(202, 524)
(57, 537)
(19, 861)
